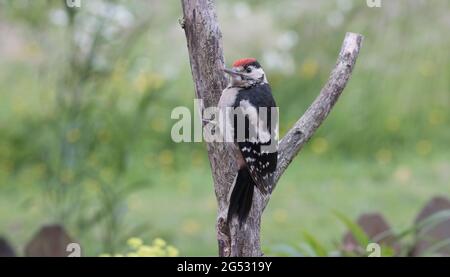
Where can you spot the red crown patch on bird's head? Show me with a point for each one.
(243, 62)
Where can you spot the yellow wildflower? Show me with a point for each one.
(135, 243)
(159, 242)
(172, 251)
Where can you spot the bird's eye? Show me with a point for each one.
(248, 69)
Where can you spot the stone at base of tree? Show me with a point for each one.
(435, 233)
(49, 241)
(5, 249)
(378, 231)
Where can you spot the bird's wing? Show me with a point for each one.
(253, 145)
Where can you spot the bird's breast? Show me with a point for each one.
(228, 97)
(227, 100)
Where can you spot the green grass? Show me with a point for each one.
(181, 208)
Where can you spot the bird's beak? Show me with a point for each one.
(232, 72)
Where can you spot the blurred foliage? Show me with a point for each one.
(86, 97)
(159, 248)
(406, 240)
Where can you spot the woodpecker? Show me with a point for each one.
(254, 136)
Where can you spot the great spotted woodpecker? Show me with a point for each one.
(254, 131)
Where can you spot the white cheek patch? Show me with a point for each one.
(257, 74)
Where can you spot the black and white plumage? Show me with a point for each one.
(252, 126)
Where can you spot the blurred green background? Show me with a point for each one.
(86, 96)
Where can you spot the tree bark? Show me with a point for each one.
(204, 42)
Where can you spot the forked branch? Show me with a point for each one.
(204, 41)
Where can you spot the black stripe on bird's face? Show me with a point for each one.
(246, 76)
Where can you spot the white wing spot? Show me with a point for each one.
(252, 113)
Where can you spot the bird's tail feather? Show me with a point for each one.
(242, 196)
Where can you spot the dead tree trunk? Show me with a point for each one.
(204, 42)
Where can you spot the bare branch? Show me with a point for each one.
(306, 126)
